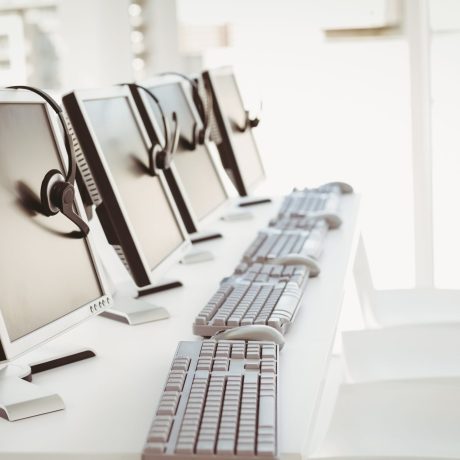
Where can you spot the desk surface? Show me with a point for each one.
(110, 400)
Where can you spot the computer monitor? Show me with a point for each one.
(136, 209)
(49, 278)
(196, 170)
(235, 140)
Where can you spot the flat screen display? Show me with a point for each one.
(195, 168)
(244, 146)
(142, 196)
(46, 269)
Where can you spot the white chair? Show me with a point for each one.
(402, 306)
(411, 419)
(402, 352)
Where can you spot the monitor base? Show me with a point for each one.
(47, 357)
(153, 288)
(133, 311)
(245, 202)
(236, 216)
(194, 257)
(21, 399)
(201, 237)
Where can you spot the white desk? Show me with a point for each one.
(110, 400)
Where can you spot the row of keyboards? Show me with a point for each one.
(267, 286)
(220, 397)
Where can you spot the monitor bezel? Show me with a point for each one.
(215, 161)
(154, 274)
(225, 147)
(11, 349)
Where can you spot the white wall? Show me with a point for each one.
(333, 109)
(96, 44)
(161, 37)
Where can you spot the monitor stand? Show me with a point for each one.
(253, 201)
(19, 397)
(236, 216)
(201, 237)
(196, 256)
(244, 202)
(154, 288)
(48, 357)
(127, 306)
(134, 311)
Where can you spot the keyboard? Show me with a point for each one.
(293, 223)
(219, 401)
(264, 294)
(271, 243)
(272, 273)
(302, 203)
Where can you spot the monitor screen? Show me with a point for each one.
(244, 146)
(45, 271)
(196, 170)
(142, 196)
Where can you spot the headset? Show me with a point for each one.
(160, 157)
(57, 193)
(199, 136)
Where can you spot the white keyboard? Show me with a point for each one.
(303, 203)
(292, 223)
(266, 295)
(271, 243)
(272, 273)
(219, 401)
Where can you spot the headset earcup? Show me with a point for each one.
(201, 136)
(51, 177)
(154, 154)
(162, 159)
(198, 136)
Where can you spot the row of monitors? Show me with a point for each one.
(50, 279)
